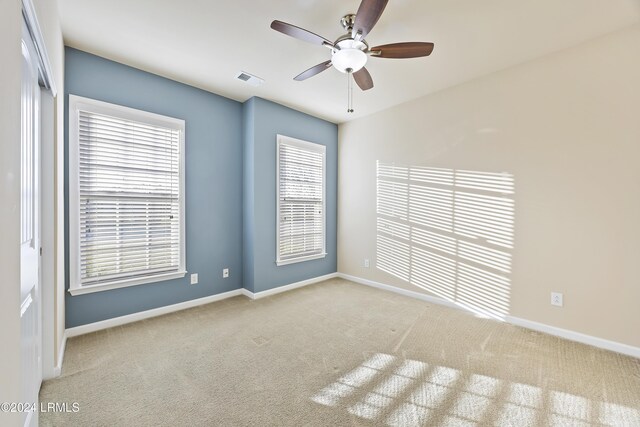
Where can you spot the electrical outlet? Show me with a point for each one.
(225, 273)
(556, 299)
(194, 278)
(367, 264)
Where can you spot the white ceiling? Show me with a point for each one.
(204, 43)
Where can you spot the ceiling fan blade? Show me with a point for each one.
(313, 71)
(363, 79)
(367, 15)
(402, 50)
(300, 33)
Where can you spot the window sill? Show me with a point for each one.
(301, 259)
(87, 289)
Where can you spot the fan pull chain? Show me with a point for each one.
(349, 93)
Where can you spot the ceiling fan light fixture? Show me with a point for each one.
(348, 55)
(349, 60)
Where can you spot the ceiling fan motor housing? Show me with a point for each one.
(348, 21)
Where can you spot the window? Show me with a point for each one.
(301, 201)
(126, 196)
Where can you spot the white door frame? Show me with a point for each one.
(30, 17)
(47, 193)
(47, 236)
(30, 230)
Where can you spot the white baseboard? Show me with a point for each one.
(134, 317)
(529, 324)
(57, 370)
(576, 336)
(394, 289)
(286, 288)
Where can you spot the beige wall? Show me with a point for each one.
(566, 128)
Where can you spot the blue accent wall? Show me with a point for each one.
(230, 170)
(213, 149)
(265, 120)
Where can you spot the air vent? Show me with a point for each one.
(249, 78)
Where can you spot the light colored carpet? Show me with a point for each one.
(338, 353)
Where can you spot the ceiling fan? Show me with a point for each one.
(349, 53)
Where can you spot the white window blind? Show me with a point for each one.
(301, 201)
(129, 194)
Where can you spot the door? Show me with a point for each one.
(30, 229)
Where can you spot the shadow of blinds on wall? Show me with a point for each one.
(449, 232)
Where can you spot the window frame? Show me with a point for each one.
(311, 146)
(77, 103)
